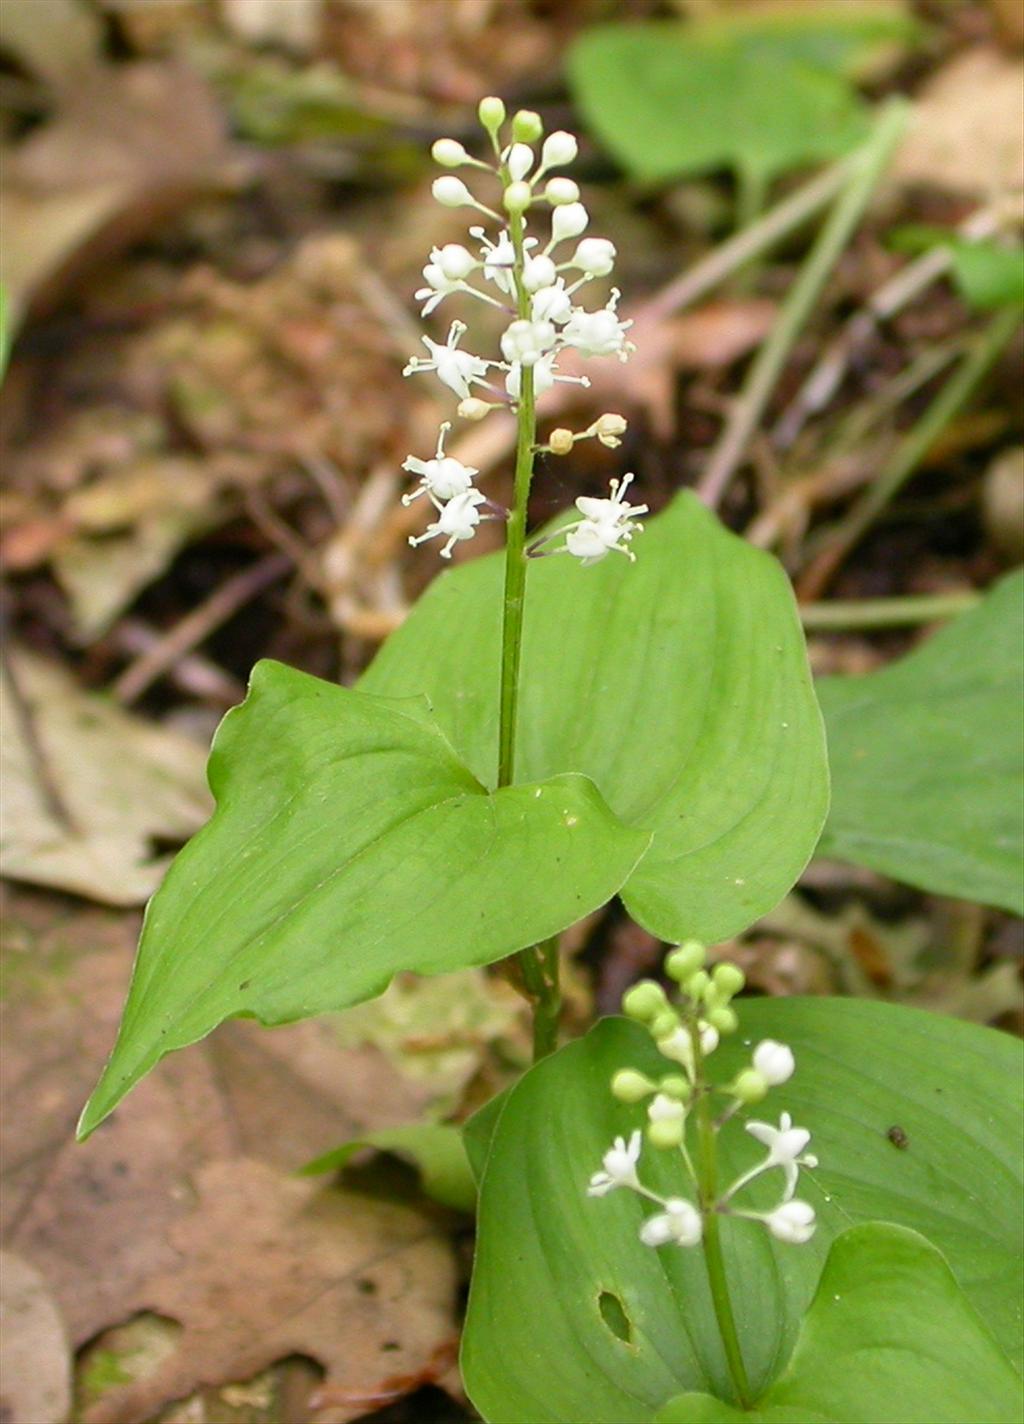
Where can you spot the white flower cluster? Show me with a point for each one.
(687, 1039)
(536, 286)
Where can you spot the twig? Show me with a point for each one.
(193, 673)
(909, 453)
(770, 360)
(734, 254)
(197, 626)
(853, 614)
(891, 297)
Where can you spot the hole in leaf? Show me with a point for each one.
(614, 1316)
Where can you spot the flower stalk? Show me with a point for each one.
(536, 285)
(687, 1033)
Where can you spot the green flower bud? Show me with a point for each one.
(526, 127)
(686, 960)
(696, 984)
(664, 1024)
(749, 1086)
(729, 979)
(724, 1019)
(644, 1000)
(674, 1085)
(665, 1133)
(491, 113)
(629, 1086)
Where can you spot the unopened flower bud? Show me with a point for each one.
(568, 221)
(629, 1086)
(749, 1086)
(561, 190)
(455, 261)
(644, 1000)
(449, 153)
(560, 441)
(517, 197)
(774, 1061)
(539, 272)
(560, 148)
(664, 1024)
(526, 126)
(595, 256)
(608, 428)
(792, 1222)
(676, 1086)
(519, 161)
(451, 192)
(491, 112)
(473, 408)
(724, 1019)
(696, 984)
(680, 963)
(728, 979)
(665, 1134)
(666, 1109)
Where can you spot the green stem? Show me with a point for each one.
(707, 1186)
(538, 965)
(801, 301)
(885, 612)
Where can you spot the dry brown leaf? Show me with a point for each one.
(35, 1361)
(267, 1266)
(129, 146)
(966, 133)
(88, 787)
(106, 1219)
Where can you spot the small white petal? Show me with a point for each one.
(792, 1222)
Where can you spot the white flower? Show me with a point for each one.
(619, 1167)
(774, 1061)
(527, 341)
(499, 259)
(785, 1144)
(680, 1223)
(544, 377)
(567, 220)
(552, 303)
(605, 526)
(443, 477)
(599, 333)
(792, 1222)
(445, 273)
(595, 256)
(455, 369)
(666, 1109)
(455, 520)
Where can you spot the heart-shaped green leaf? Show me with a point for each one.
(349, 843)
(927, 758)
(890, 1338)
(915, 1119)
(671, 99)
(678, 684)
